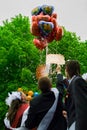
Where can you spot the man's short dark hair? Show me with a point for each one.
(44, 84)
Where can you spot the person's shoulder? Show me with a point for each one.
(79, 78)
(76, 78)
(79, 81)
(74, 82)
(36, 100)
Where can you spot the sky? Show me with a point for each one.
(72, 14)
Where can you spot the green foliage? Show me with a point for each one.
(26, 75)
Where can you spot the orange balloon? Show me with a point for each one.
(28, 98)
(30, 93)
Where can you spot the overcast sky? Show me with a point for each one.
(72, 14)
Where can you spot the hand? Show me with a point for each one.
(58, 69)
(64, 113)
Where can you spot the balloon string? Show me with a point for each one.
(41, 56)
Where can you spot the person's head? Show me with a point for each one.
(15, 95)
(44, 84)
(72, 67)
(14, 101)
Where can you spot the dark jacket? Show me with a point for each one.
(40, 106)
(61, 84)
(77, 103)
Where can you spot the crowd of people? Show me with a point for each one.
(61, 108)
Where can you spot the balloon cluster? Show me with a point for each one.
(29, 94)
(44, 26)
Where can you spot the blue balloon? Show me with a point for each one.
(37, 10)
(36, 94)
(47, 10)
(46, 27)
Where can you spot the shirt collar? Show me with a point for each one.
(71, 79)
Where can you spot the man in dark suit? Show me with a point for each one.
(77, 97)
(45, 111)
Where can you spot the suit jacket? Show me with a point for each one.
(39, 106)
(77, 103)
(61, 83)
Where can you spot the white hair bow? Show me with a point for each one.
(12, 96)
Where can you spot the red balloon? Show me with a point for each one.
(40, 44)
(50, 37)
(43, 17)
(34, 29)
(34, 18)
(54, 15)
(59, 34)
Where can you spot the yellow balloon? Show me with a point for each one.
(19, 89)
